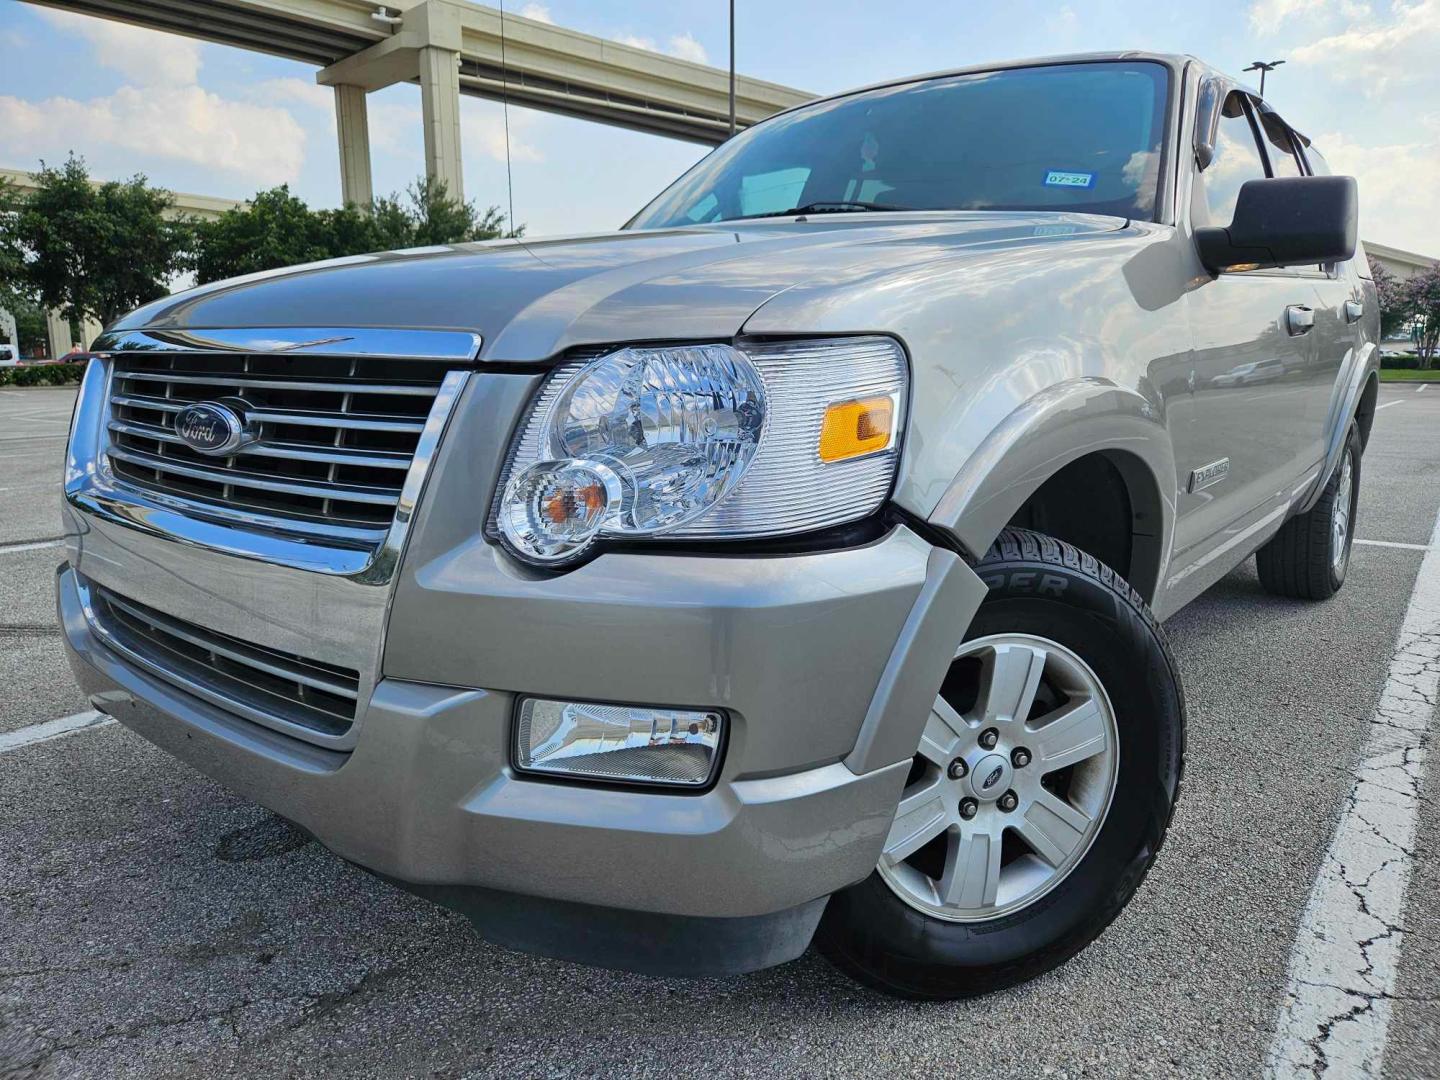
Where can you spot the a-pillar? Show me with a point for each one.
(440, 107)
(353, 127)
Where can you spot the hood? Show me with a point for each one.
(532, 299)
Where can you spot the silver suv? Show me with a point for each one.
(786, 565)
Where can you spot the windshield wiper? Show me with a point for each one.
(836, 207)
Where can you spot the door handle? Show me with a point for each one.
(1299, 319)
(1353, 310)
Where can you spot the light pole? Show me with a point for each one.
(1262, 66)
(732, 67)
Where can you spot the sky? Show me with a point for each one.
(1361, 79)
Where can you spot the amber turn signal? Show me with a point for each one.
(855, 428)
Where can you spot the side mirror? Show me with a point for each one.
(1287, 221)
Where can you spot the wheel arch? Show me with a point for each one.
(1085, 434)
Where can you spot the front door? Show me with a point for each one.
(1246, 432)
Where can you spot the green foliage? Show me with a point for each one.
(1421, 296)
(1399, 361)
(31, 333)
(1392, 302)
(92, 251)
(41, 375)
(277, 229)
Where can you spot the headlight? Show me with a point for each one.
(704, 441)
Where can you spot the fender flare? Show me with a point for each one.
(1057, 426)
(1343, 406)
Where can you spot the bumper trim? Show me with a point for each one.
(640, 941)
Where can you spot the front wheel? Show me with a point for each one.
(1039, 794)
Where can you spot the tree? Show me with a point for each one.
(1393, 316)
(431, 216)
(274, 229)
(1422, 304)
(277, 229)
(93, 251)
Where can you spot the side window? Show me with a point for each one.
(765, 193)
(1280, 146)
(1237, 159)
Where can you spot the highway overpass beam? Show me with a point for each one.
(353, 127)
(440, 112)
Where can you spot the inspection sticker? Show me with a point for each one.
(1061, 178)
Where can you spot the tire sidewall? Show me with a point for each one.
(1352, 447)
(1123, 649)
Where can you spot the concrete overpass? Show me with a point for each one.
(203, 207)
(453, 47)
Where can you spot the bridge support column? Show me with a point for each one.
(57, 331)
(440, 109)
(353, 127)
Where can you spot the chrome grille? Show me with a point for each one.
(256, 682)
(336, 434)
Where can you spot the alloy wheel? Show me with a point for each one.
(1012, 781)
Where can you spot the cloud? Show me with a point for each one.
(538, 12)
(263, 145)
(145, 57)
(1377, 53)
(1267, 16)
(687, 48)
(295, 91)
(684, 46)
(1399, 200)
(1064, 22)
(397, 129)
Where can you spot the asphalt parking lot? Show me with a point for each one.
(151, 924)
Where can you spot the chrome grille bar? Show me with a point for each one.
(288, 693)
(335, 387)
(236, 478)
(334, 436)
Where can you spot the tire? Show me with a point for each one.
(1308, 558)
(1040, 588)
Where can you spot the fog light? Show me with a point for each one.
(619, 743)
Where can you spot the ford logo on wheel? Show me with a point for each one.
(993, 778)
(211, 427)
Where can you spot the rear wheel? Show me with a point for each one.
(1039, 794)
(1310, 555)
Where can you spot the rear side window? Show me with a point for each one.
(1237, 159)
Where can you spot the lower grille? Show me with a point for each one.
(259, 683)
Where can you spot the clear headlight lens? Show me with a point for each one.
(706, 441)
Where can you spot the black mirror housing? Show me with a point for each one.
(1285, 221)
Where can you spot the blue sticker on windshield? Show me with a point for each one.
(1061, 178)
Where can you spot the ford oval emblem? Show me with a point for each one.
(209, 427)
(993, 778)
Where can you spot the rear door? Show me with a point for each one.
(1246, 434)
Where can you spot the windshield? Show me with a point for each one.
(1081, 137)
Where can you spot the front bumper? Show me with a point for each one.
(730, 880)
(825, 665)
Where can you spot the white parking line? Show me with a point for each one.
(1394, 544)
(1336, 1012)
(1421, 389)
(11, 549)
(53, 729)
(1388, 404)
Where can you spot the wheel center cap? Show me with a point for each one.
(990, 778)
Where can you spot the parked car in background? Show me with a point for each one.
(789, 565)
